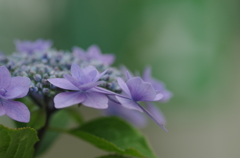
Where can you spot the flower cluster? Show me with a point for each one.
(77, 77)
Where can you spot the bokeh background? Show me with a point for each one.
(192, 45)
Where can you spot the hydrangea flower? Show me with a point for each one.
(151, 107)
(12, 88)
(46, 69)
(82, 84)
(157, 85)
(94, 53)
(136, 90)
(30, 47)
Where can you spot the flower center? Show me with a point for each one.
(3, 91)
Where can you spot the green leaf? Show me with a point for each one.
(38, 119)
(114, 135)
(75, 115)
(113, 156)
(58, 120)
(17, 143)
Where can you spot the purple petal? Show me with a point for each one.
(79, 52)
(62, 83)
(90, 85)
(72, 80)
(85, 75)
(18, 88)
(43, 44)
(128, 75)
(17, 110)
(124, 86)
(5, 77)
(126, 72)
(108, 59)
(92, 73)
(96, 100)
(89, 69)
(147, 77)
(166, 96)
(156, 112)
(147, 74)
(104, 91)
(101, 74)
(153, 118)
(158, 97)
(157, 85)
(128, 103)
(66, 99)
(2, 110)
(31, 47)
(134, 117)
(94, 50)
(76, 71)
(140, 90)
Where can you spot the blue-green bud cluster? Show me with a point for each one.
(40, 66)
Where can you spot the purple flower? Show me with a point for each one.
(30, 47)
(82, 84)
(156, 112)
(12, 88)
(127, 74)
(136, 90)
(132, 118)
(94, 53)
(157, 85)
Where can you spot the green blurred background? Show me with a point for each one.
(192, 45)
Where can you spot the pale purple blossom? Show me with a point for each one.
(136, 90)
(93, 53)
(30, 47)
(82, 82)
(150, 106)
(157, 85)
(12, 88)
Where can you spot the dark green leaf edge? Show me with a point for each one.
(18, 130)
(102, 143)
(111, 147)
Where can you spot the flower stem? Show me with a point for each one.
(41, 132)
(57, 130)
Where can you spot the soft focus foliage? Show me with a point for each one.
(192, 45)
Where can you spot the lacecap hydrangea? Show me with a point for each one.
(56, 79)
